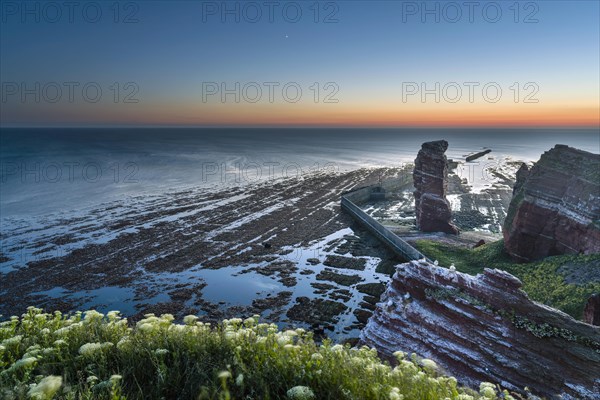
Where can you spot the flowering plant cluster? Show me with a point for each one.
(94, 356)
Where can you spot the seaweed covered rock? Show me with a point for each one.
(555, 207)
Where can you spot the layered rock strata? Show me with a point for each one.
(485, 328)
(555, 207)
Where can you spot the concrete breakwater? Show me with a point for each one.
(390, 239)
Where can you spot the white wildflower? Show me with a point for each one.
(93, 315)
(167, 317)
(123, 342)
(89, 349)
(300, 393)
(12, 341)
(190, 319)
(113, 315)
(26, 362)
(487, 390)
(429, 365)
(48, 351)
(63, 331)
(239, 381)
(224, 375)
(337, 347)
(282, 340)
(46, 388)
(161, 352)
(107, 345)
(488, 393)
(146, 327)
(395, 394)
(262, 339)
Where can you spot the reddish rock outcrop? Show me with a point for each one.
(591, 314)
(431, 184)
(555, 207)
(485, 328)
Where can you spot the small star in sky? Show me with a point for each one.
(286, 36)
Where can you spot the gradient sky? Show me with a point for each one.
(368, 54)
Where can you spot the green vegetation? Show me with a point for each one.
(541, 279)
(92, 356)
(546, 330)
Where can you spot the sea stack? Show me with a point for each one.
(555, 207)
(431, 184)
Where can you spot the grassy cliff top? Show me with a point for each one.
(544, 281)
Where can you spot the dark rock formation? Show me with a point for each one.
(431, 184)
(521, 177)
(555, 207)
(475, 156)
(591, 314)
(484, 328)
(480, 243)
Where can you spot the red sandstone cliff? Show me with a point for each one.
(555, 207)
(431, 184)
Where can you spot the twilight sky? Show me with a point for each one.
(356, 63)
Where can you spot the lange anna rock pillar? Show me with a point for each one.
(431, 184)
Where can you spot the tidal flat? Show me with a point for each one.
(281, 248)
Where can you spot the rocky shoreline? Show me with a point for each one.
(277, 249)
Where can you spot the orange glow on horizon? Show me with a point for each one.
(579, 116)
(328, 115)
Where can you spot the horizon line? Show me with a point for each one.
(180, 126)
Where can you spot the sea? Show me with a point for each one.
(49, 171)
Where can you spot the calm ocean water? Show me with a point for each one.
(52, 170)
